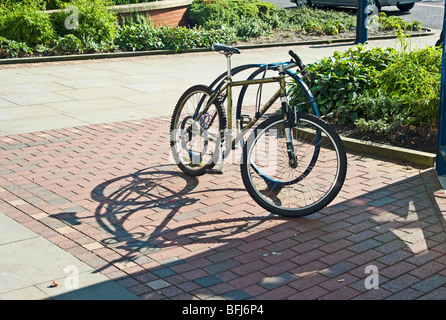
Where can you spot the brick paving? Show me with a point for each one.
(110, 195)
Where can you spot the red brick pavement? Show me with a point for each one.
(110, 195)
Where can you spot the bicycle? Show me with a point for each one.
(293, 163)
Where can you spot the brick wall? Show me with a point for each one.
(166, 17)
(169, 17)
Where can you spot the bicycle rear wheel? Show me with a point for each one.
(195, 131)
(278, 187)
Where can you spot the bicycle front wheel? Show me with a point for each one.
(287, 190)
(195, 131)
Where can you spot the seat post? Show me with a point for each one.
(228, 60)
(229, 90)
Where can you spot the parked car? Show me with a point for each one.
(403, 5)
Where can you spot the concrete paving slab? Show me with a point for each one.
(18, 79)
(25, 99)
(88, 83)
(33, 261)
(5, 104)
(13, 231)
(28, 88)
(92, 286)
(39, 123)
(27, 112)
(96, 93)
(66, 70)
(73, 108)
(30, 264)
(28, 293)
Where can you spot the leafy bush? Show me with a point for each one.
(397, 23)
(97, 25)
(25, 22)
(13, 49)
(138, 38)
(380, 113)
(414, 78)
(68, 44)
(247, 28)
(339, 80)
(315, 20)
(146, 37)
(54, 4)
(377, 89)
(220, 11)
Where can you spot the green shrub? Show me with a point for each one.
(69, 43)
(146, 37)
(380, 113)
(340, 79)
(13, 49)
(138, 38)
(397, 23)
(97, 25)
(25, 22)
(414, 78)
(377, 89)
(313, 20)
(247, 28)
(222, 11)
(54, 4)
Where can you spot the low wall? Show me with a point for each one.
(162, 12)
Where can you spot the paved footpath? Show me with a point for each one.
(89, 198)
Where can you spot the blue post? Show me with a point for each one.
(441, 136)
(361, 22)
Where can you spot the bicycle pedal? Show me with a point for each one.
(213, 171)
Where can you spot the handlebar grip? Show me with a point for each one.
(300, 65)
(296, 58)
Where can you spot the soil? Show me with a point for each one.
(415, 138)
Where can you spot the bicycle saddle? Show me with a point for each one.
(224, 48)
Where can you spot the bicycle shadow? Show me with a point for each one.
(127, 203)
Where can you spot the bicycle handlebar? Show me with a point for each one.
(299, 63)
(296, 59)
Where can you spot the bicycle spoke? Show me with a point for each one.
(195, 130)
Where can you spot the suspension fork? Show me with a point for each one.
(290, 117)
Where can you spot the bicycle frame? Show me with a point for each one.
(219, 81)
(228, 88)
(223, 91)
(224, 83)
